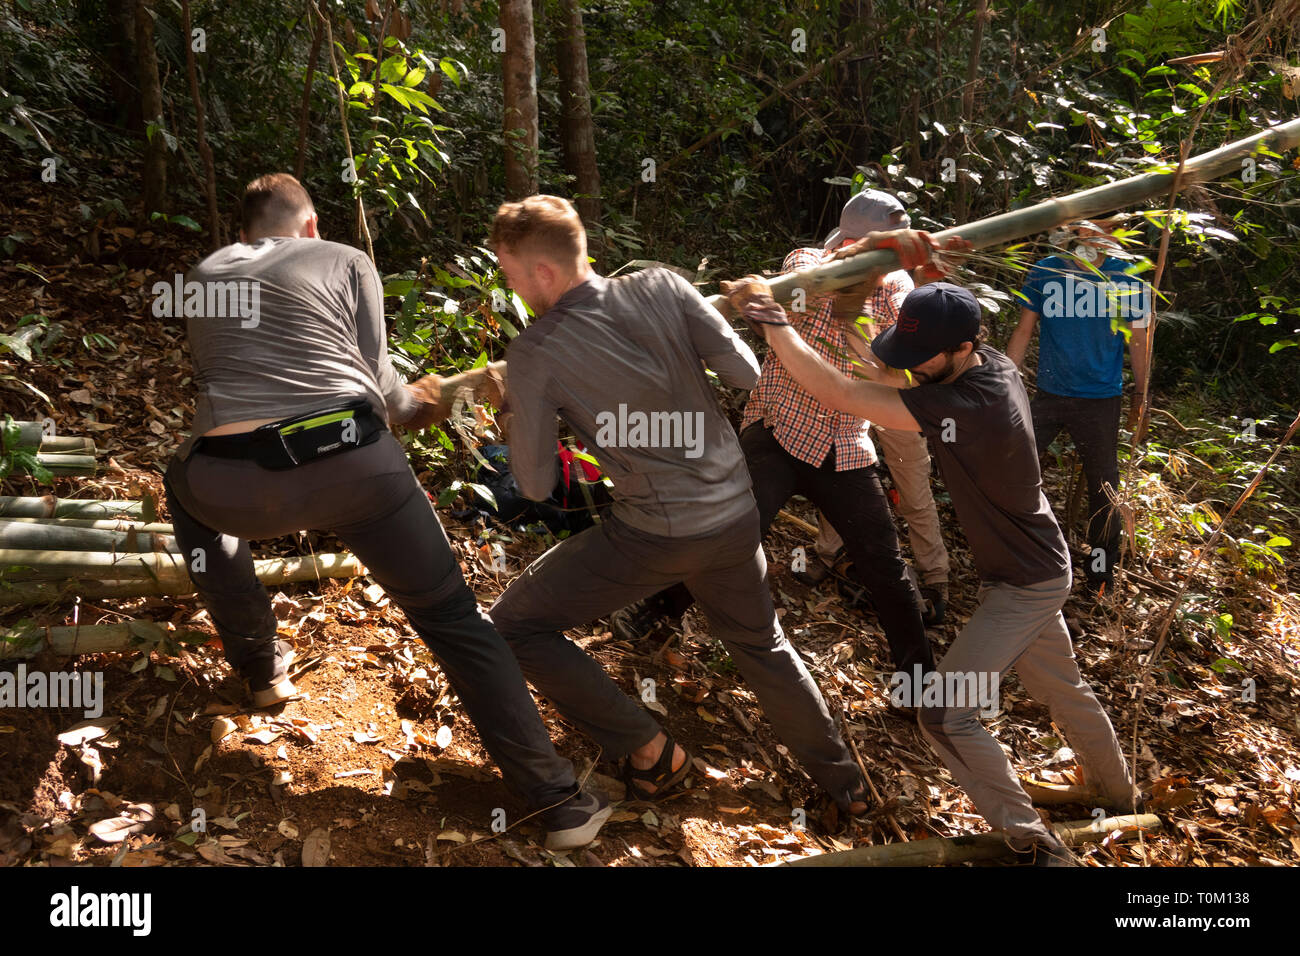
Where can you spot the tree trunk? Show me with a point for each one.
(154, 190)
(116, 38)
(968, 103)
(519, 84)
(216, 227)
(577, 132)
(304, 111)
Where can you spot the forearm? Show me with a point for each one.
(866, 365)
(1019, 344)
(825, 383)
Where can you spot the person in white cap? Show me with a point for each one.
(905, 453)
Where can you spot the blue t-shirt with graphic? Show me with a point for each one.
(1081, 345)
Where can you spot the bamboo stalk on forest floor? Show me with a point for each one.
(27, 642)
(66, 465)
(977, 847)
(798, 522)
(21, 565)
(1043, 793)
(98, 524)
(175, 580)
(32, 435)
(68, 445)
(48, 506)
(40, 537)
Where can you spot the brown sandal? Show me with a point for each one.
(661, 776)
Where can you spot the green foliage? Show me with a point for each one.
(1220, 460)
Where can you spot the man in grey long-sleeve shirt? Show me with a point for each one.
(283, 325)
(622, 362)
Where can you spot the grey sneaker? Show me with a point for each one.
(267, 675)
(575, 822)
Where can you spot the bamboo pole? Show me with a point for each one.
(82, 465)
(32, 435)
(27, 642)
(38, 536)
(173, 579)
(69, 445)
(1010, 226)
(29, 564)
(978, 847)
(99, 524)
(49, 506)
(20, 565)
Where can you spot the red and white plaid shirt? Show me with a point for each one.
(802, 425)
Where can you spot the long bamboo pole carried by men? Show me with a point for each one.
(992, 231)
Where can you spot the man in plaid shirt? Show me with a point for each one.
(795, 445)
(906, 454)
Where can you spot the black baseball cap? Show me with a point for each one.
(933, 318)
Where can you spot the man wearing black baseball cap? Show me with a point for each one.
(969, 401)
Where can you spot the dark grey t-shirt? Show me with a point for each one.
(317, 337)
(622, 362)
(982, 436)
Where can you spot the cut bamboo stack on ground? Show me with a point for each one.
(63, 455)
(53, 550)
(42, 577)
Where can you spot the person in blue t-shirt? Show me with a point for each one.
(1089, 305)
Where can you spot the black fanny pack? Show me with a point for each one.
(295, 441)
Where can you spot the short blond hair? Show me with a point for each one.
(540, 225)
(274, 200)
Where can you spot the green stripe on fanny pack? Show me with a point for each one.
(317, 422)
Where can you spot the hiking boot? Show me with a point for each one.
(266, 674)
(636, 621)
(813, 574)
(854, 594)
(935, 599)
(575, 822)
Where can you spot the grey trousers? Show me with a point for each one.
(371, 499)
(1022, 627)
(612, 565)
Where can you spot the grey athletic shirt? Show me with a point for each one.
(982, 436)
(301, 329)
(622, 362)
